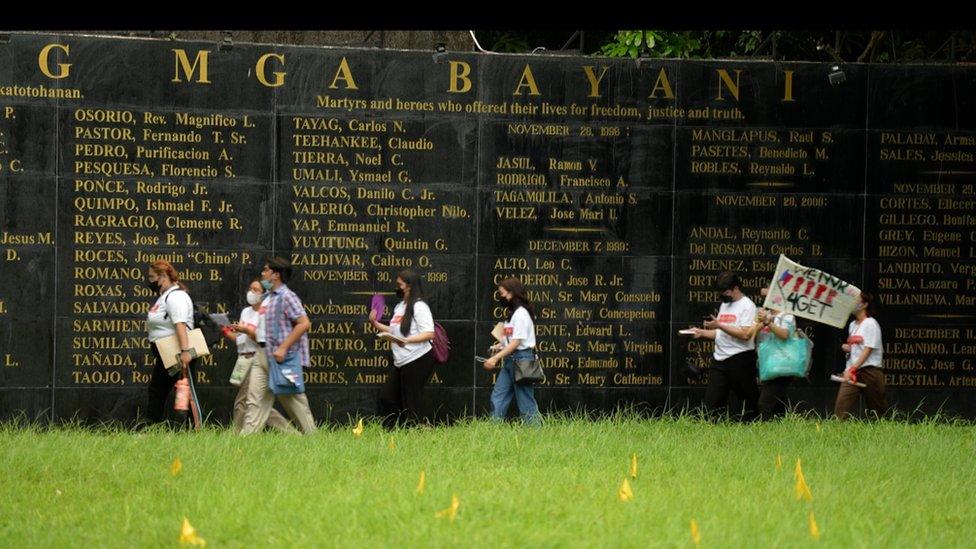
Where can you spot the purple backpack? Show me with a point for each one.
(441, 344)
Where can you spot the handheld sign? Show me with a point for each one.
(810, 293)
(378, 305)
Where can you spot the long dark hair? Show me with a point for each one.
(412, 279)
(519, 298)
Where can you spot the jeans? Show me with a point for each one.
(506, 388)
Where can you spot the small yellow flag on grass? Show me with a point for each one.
(450, 512)
(392, 444)
(624, 493)
(802, 489)
(176, 466)
(422, 482)
(779, 462)
(695, 534)
(357, 431)
(814, 531)
(188, 535)
(633, 466)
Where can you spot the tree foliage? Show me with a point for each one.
(868, 46)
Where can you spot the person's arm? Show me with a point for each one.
(379, 326)
(739, 332)
(782, 332)
(181, 307)
(779, 331)
(507, 350)
(229, 333)
(701, 333)
(857, 363)
(247, 329)
(181, 335)
(419, 337)
(861, 359)
(300, 326)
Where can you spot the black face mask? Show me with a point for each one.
(502, 300)
(725, 298)
(399, 293)
(153, 285)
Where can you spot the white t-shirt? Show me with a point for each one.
(861, 335)
(252, 319)
(521, 327)
(741, 313)
(423, 321)
(165, 312)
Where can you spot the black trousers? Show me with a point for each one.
(736, 374)
(160, 385)
(772, 396)
(402, 396)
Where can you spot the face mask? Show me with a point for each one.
(725, 298)
(266, 284)
(153, 285)
(399, 293)
(253, 298)
(502, 300)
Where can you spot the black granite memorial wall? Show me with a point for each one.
(615, 190)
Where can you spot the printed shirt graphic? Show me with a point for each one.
(861, 335)
(741, 313)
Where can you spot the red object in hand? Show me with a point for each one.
(853, 376)
(182, 402)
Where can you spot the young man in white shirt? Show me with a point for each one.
(734, 358)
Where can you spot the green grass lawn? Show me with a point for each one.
(873, 485)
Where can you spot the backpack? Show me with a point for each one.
(441, 344)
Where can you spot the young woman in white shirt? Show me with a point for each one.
(772, 392)
(248, 335)
(401, 399)
(171, 314)
(519, 344)
(864, 351)
(733, 367)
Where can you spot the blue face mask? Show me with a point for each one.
(266, 284)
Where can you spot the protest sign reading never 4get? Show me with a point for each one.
(811, 293)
